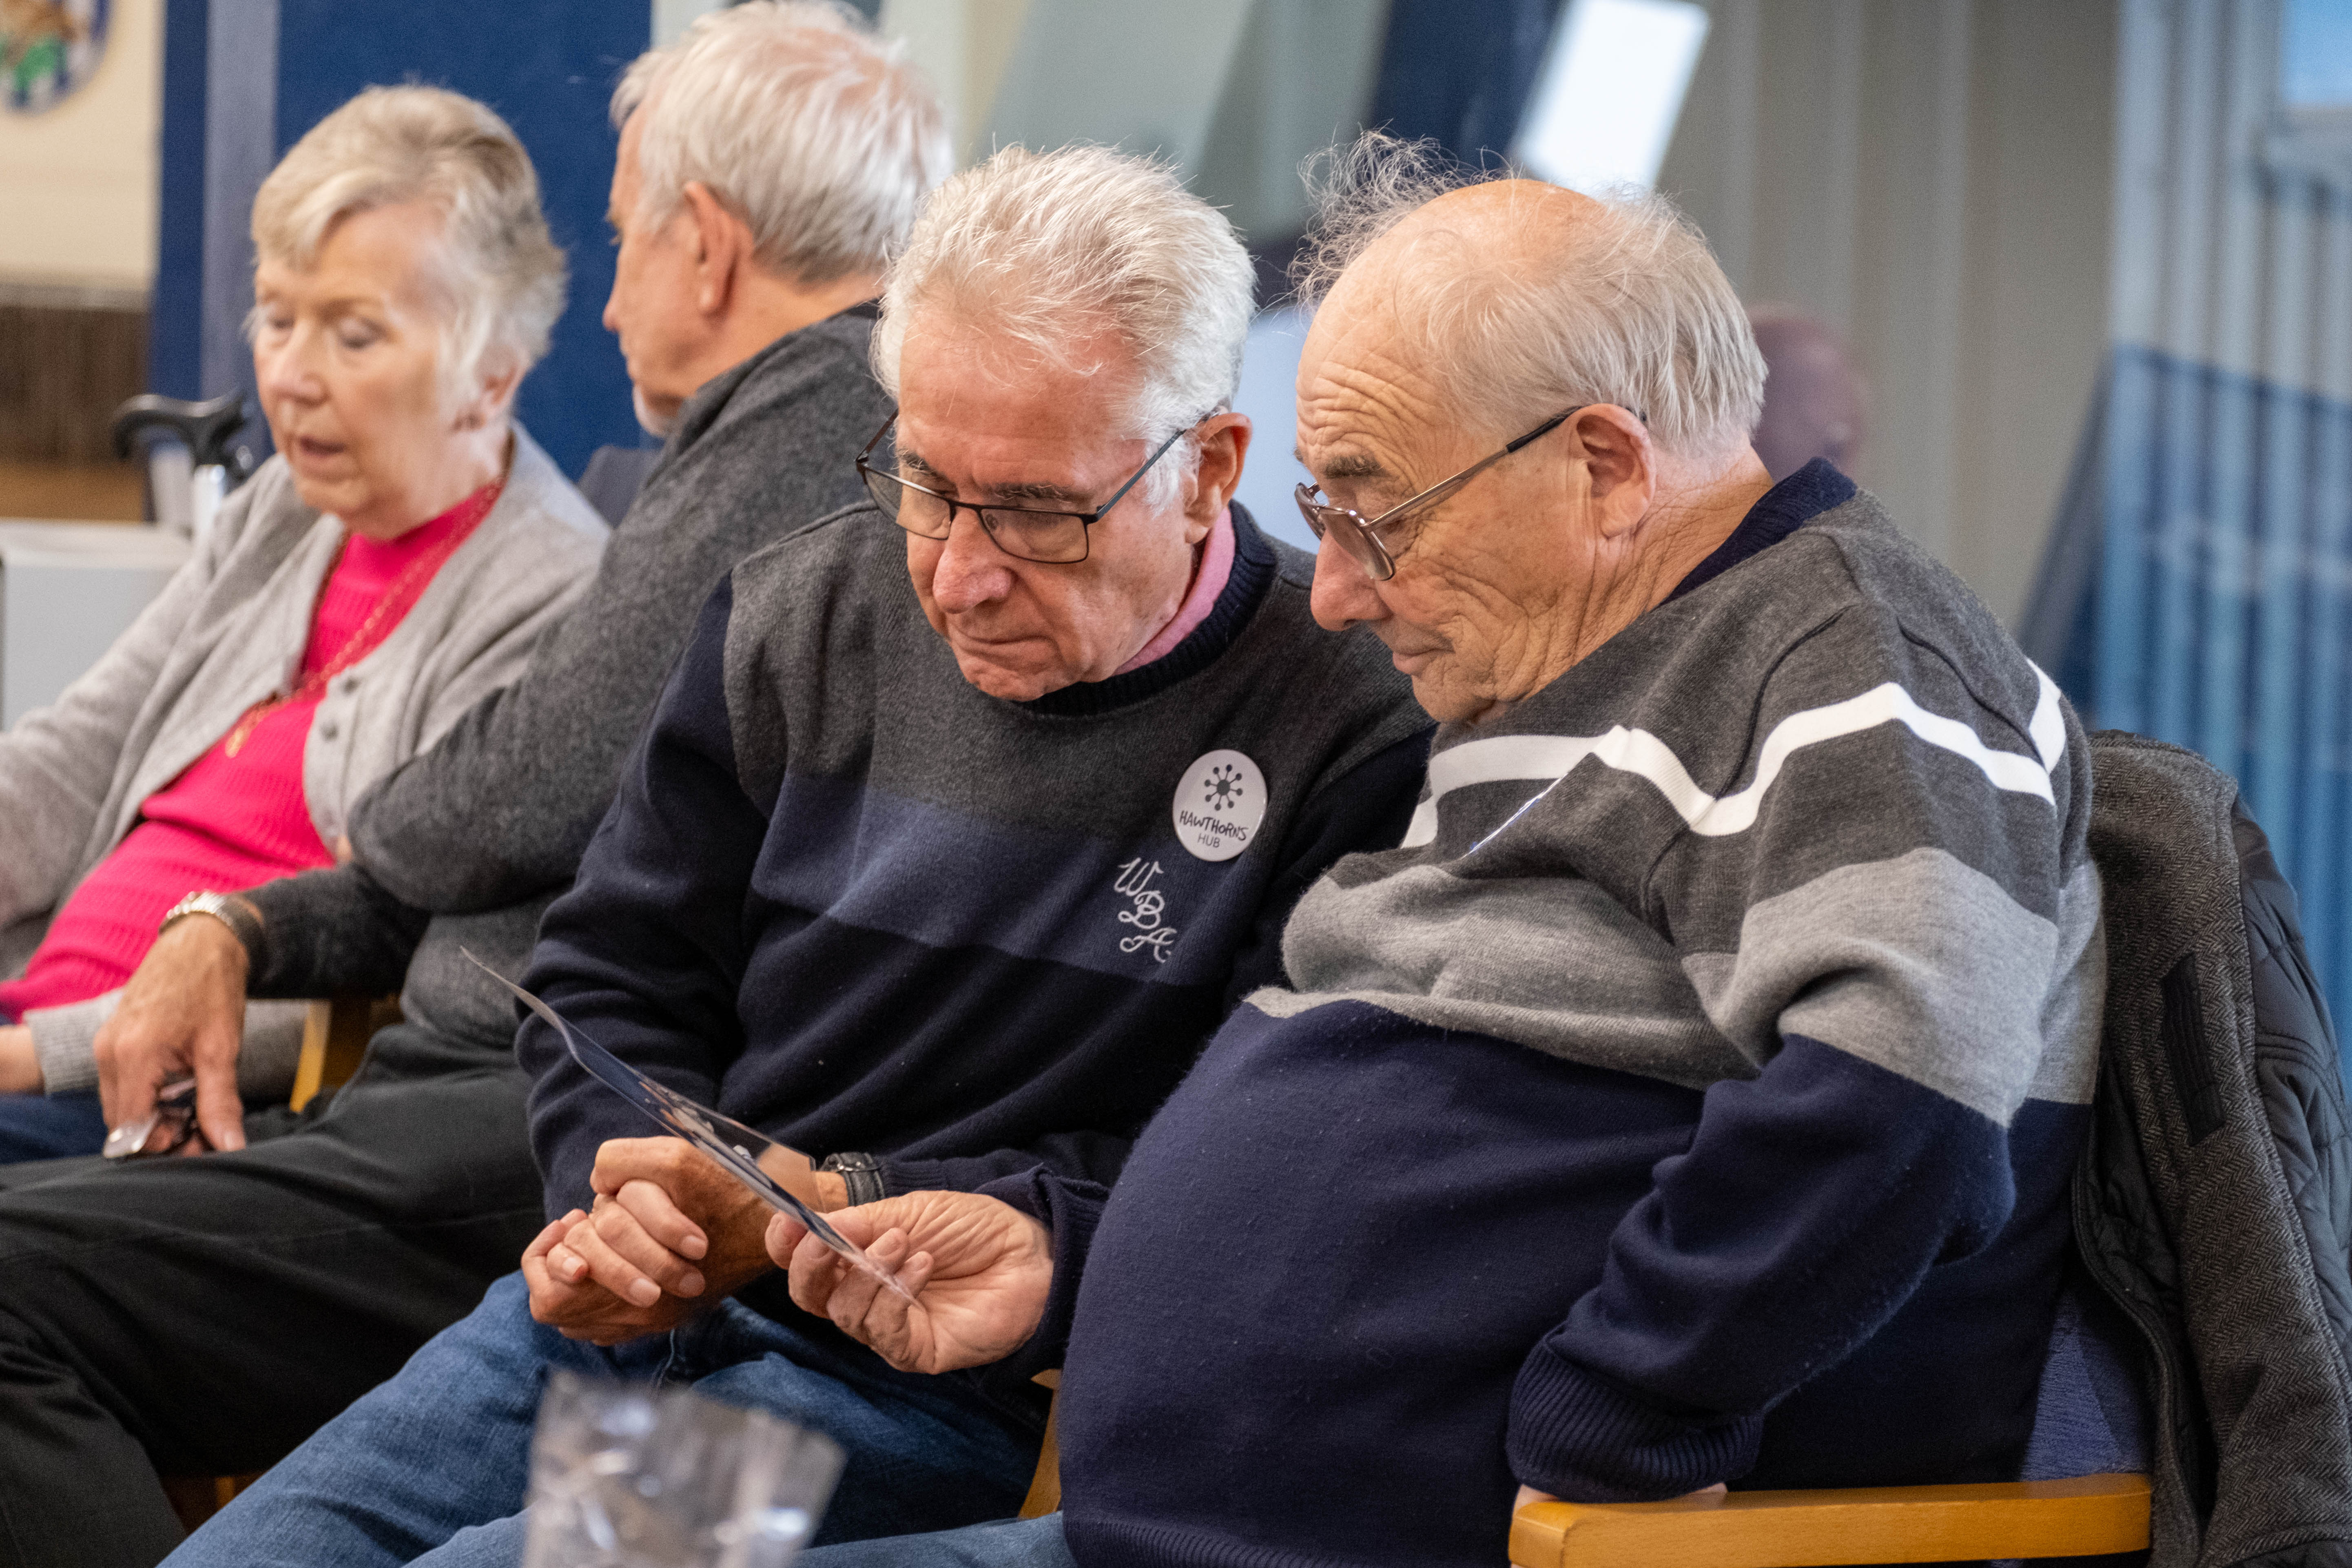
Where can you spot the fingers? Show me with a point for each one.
(220, 1110)
(554, 1298)
(851, 1305)
(784, 1233)
(125, 1093)
(547, 1292)
(653, 1209)
(816, 1268)
(609, 1268)
(619, 1228)
(898, 1330)
(620, 1160)
(554, 1232)
(566, 1298)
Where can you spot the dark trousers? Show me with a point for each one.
(204, 1316)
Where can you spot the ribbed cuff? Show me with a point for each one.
(899, 1177)
(64, 1038)
(1070, 1211)
(1584, 1438)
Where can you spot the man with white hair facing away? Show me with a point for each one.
(950, 843)
(1691, 1100)
(207, 1314)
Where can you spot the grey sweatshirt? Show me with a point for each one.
(467, 844)
(227, 631)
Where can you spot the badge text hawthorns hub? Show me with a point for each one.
(1219, 803)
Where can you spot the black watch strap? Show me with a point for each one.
(861, 1173)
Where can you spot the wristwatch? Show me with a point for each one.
(230, 912)
(861, 1173)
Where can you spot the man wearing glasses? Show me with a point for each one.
(948, 845)
(1691, 1100)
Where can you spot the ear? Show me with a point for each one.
(1224, 441)
(722, 247)
(493, 397)
(1622, 465)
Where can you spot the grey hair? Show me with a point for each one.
(500, 273)
(1049, 248)
(822, 138)
(1636, 312)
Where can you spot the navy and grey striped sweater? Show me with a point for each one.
(848, 898)
(1690, 1099)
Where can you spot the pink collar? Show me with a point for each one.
(1216, 565)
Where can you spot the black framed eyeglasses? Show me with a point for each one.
(1360, 535)
(1025, 533)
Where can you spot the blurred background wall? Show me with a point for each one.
(78, 219)
(1933, 181)
(2199, 587)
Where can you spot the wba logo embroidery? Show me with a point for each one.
(1146, 911)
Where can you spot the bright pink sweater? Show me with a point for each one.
(230, 821)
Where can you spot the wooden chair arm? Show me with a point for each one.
(1045, 1486)
(335, 1034)
(2083, 1517)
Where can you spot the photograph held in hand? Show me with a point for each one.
(739, 1150)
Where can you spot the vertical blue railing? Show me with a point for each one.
(2219, 615)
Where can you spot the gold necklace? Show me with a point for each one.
(357, 645)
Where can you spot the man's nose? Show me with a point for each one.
(1342, 595)
(971, 570)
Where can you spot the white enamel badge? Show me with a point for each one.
(1219, 803)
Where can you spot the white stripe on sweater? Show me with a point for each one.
(1552, 758)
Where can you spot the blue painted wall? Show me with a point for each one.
(547, 66)
(174, 355)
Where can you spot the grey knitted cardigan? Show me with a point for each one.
(463, 847)
(227, 632)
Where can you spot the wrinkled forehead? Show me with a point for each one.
(958, 355)
(1373, 406)
(981, 404)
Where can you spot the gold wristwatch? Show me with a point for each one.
(225, 909)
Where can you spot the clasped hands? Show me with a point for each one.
(671, 1232)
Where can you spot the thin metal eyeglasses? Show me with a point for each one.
(1025, 533)
(1358, 535)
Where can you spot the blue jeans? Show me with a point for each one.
(432, 1467)
(1007, 1543)
(50, 1126)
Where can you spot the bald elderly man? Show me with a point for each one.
(1691, 1099)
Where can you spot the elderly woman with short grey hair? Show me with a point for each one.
(394, 564)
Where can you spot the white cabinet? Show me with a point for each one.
(67, 591)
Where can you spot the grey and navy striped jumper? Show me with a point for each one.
(1690, 1098)
(845, 896)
